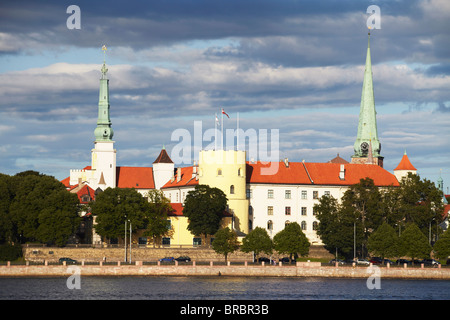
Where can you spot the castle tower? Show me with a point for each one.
(226, 170)
(367, 136)
(103, 159)
(404, 167)
(163, 169)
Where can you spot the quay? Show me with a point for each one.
(301, 269)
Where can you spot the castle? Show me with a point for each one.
(255, 198)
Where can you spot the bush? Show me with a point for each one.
(10, 252)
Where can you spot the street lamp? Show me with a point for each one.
(125, 239)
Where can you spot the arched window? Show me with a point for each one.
(232, 189)
(286, 223)
(219, 172)
(269, 225)
(250, 210)
(303, 225)
(239, 172)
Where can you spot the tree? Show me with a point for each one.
(159, 207)
(41, 209)
(337, 227)
(225, 242)
(204, 207)
(383, 242)
(258, 240)
(291, 240)
(421, 203)
(413, 243)
(442, 246)
(115, 206)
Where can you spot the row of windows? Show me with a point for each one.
(287, 211)
(239, 172)
(288, 194)
(303, 225)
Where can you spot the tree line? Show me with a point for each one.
(367, 216)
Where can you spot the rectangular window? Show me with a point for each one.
(304, 195)
(249, 193)
(270, 194)
(197, 241)
(287, 194)
(303, 211)
(326, 193)
(287, 211)
(315, 194)
(270, 210)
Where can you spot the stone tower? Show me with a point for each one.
(103, 161)
(226, 170)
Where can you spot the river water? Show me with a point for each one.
(219, 288)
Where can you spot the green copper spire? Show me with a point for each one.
(367, 127)
(103, 132)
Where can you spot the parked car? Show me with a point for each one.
(67, 260)
(402, 261)
(183, 259)
(286, 260)
(386, 261)
(431, 262)
(362, 262)
(167, 259)
(264, 259)
(339, 261)
(376, 260)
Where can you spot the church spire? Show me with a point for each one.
(103, 132)
(367, 126)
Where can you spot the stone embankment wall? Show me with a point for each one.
(302, 269)
(40, 254)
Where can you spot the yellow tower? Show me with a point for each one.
(225, 170)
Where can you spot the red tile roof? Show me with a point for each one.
(186, 179)
(163, 157)
(86, 190)
(319, 174)
(135, 177)
(328, 174)
(259, 172)
(405, 164)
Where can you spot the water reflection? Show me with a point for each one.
(220, 288)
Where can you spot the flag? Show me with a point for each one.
(217, 120)
(104, 48)
(225, 113)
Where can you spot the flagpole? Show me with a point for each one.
(215, 133)
(237, 142)
(222, 129)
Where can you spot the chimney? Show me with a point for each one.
(342, 172)
(194, 170)
(178, 174)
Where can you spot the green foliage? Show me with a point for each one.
(413, 243)
(365, 208)
(225, 242)
(159, 207)
(10, 252)
(204, 207)
(36, 207)
(442, 246)
(114, 206)
(291, 240)
(258, 240)
(383, 242)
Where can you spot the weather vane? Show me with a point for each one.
(104, 53)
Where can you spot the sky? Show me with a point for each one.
(287, 66)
